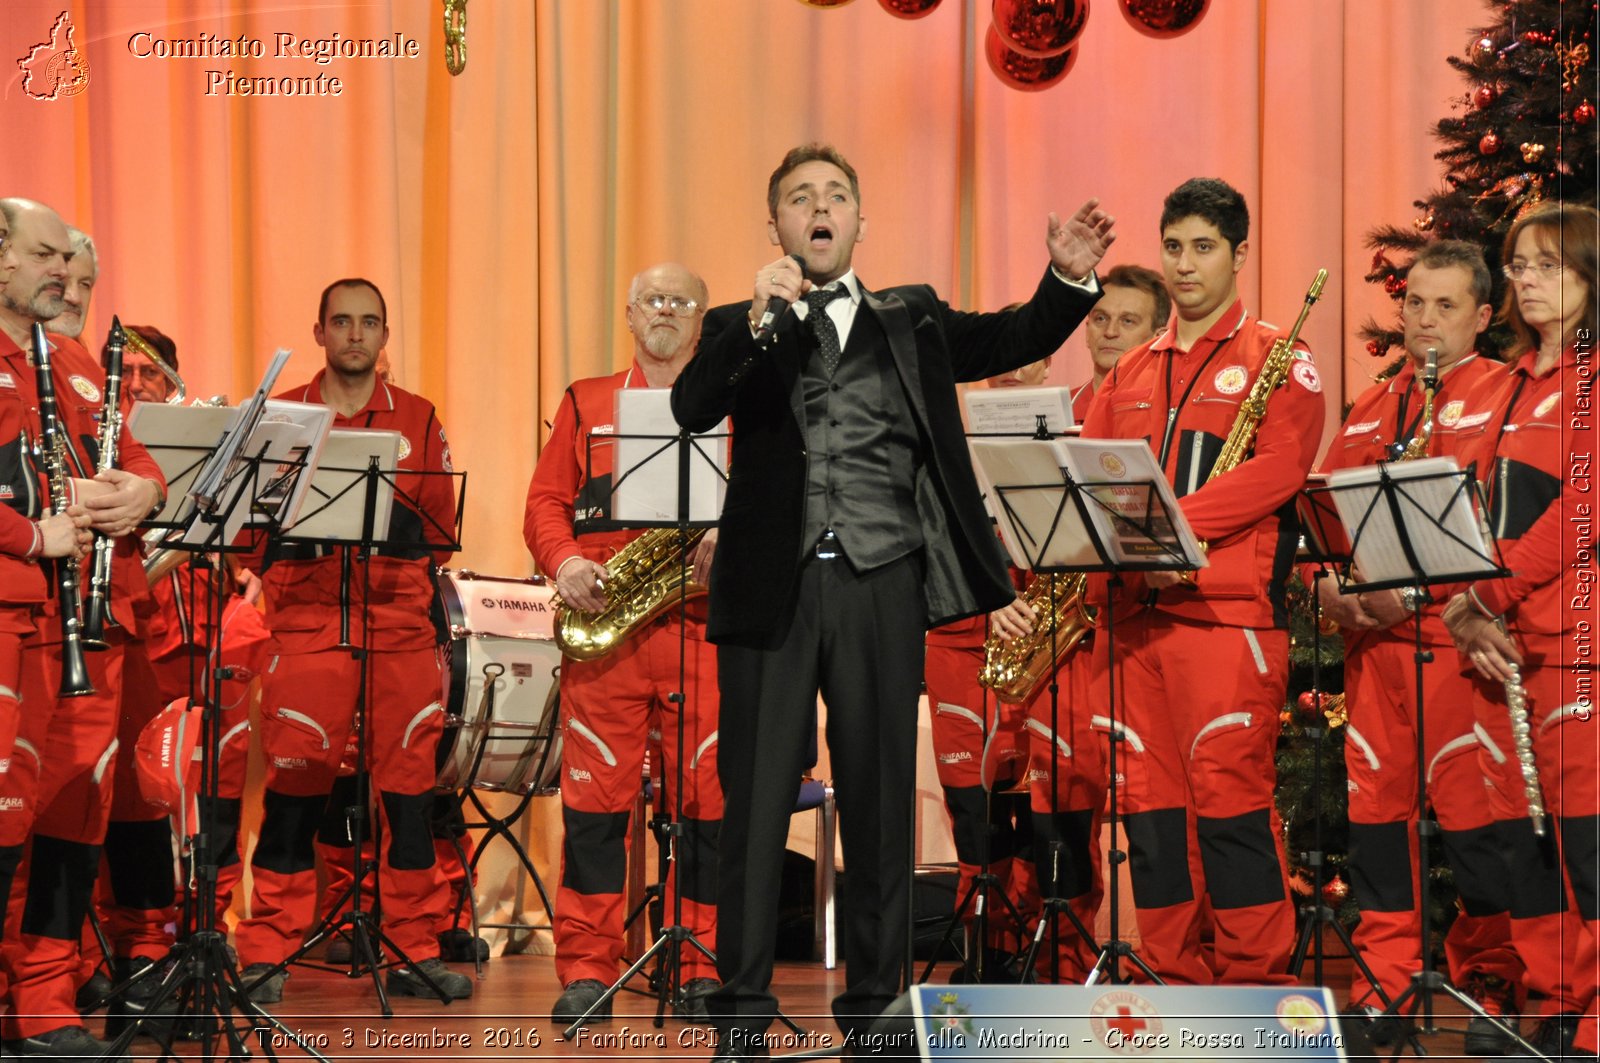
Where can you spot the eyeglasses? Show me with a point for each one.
(657, 303)
(1543, 270)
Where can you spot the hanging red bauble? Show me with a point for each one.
(1484, 95)
(909, 9)
(1583, 114)
(1164, 18)
(1039, 28)
(1489, 144)
(1335, 890)
(1026, 72)
(1376, 349)
(1395, 285)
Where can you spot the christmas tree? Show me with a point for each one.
(1524, 132)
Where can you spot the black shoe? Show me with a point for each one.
(1498, 998)
(459, 946)
(92, 994)
(69, 1042)
(578, 998)
(134, 1002)
(691, 1003)
(1553, 1037)
(409, 981)
(263, 990)
(739, 1046)
(1365, 1029)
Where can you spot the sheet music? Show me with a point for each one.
(1034, 525)
(1135, 510)
(1015, 411)
(1433, 497)
(282, 492)
(646, 484)
(335, 503)
(179, 438)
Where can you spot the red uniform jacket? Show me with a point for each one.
(1531, 440)
(80, 398)
(1082, 399)
(1184, 404)
(572, 481)
(1388, 416)
(301, 582)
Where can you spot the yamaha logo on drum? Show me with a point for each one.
(513, 603)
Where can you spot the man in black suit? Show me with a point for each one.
(852, 524)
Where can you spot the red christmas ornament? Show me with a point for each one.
(1335, 890)
(1025, 72)
(1583, 114)
(1040, 28)
(1164, 18)
(1376, 349)
(1484, 95)
(1489, 144)
(909, 9)
(1485, 46)
(1395, 285)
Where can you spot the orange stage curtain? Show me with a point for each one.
(504, 211)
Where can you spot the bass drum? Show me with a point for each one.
(502, 723)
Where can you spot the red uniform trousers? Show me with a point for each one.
(70, 784)
(1381, 765)
(308, 707)
(1198, 705)
(337, 853)
(971, 727)
(16, 627)
(1074, 814)
(1556, 882)
(610, 708)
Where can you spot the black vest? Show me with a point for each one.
(863, 451)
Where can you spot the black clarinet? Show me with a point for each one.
(97, 604)
(52, 457)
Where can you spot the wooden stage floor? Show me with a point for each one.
(508, 1017)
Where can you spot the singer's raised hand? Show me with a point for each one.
(1078, 244)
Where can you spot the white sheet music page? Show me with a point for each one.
(1435, 509)
(645, 484)
(1026, 488)
(1016, 411)
(1132, 505)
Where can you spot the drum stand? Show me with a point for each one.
(202, 978)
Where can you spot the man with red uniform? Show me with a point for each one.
(57, 783)
(1202, 671)
(611, 703)
(313, 683)
(1134, 306)
(1446, 305)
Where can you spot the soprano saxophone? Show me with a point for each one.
(644, 579)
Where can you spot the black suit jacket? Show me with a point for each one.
(759, 549)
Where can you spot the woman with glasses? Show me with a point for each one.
(1528, 431)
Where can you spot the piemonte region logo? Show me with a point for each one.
(55, 68)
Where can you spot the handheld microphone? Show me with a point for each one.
(775, 308)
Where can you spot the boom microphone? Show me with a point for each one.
(775, 308)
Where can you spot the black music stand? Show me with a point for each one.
(688, 454)
(976, 956)
(357, 924)
(202, 978)
(1326, 550)
(1425, 508)
(1140, 533)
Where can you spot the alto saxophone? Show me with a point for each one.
(1013, 669)
(645, 578)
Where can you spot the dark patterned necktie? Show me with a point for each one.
(822, 325)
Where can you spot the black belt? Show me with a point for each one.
(828, 547)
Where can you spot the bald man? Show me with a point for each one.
(615, 706)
